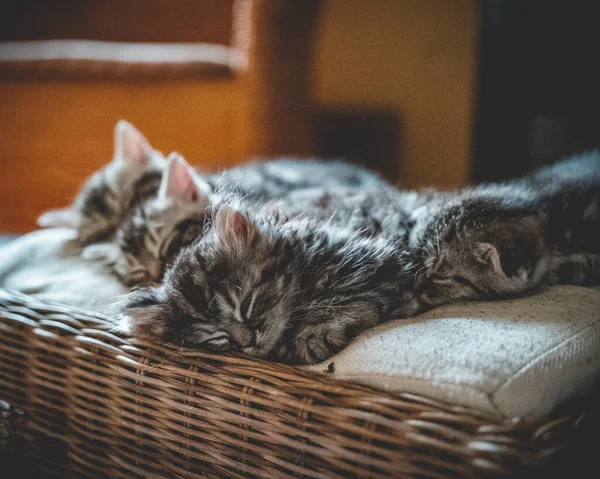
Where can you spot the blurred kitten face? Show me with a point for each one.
(501, 258)
(132, 176)
(232, 290)
(150, 238)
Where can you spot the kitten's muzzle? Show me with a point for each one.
(243, 337)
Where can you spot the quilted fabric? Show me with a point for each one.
(514, 358)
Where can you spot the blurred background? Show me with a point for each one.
(428, 92)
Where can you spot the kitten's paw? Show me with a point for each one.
(122, 325)
(117, 309)
(140, 313)
(285, 354)
(318, 342)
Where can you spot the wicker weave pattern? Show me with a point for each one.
(98, 405)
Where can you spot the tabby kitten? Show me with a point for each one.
(150, 237)
(294, 290)
(133, 175)
(495, 241)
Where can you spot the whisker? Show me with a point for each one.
(419, 270)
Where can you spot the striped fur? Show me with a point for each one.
(295, 290)
(109, 194)
(103, 203)
(494, 241)
(151, 236)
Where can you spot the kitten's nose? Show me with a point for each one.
(243, 336)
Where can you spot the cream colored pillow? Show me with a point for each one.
(516, 358)
(46, 264)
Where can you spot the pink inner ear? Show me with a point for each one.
(131, 145)
(239, 224)
(180, 183)
(233, 226)
(134, 151)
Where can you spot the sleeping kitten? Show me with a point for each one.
(495, 241)
(155, 231)
(285, 289)
(133, 175)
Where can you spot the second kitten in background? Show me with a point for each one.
(109, 194)
(156, 229)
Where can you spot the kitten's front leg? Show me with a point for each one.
(580, 269)
(319, 340)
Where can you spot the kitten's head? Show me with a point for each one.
(233, 289)
(470, 254)
(153, 234)
(107, 196)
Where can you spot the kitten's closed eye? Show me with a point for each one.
(220, 344)
(188, 231)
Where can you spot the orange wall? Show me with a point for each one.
(56, 133)
(415, 56)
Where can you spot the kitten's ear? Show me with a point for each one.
(141, 313)
(234, 227)
(130, 145)
(179, 181)
(488, 254)
(67, 217)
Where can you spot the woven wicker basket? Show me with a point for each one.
(86, 403)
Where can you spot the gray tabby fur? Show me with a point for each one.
(109, 194)
(494, 241)
(151, 236)
(296, 290)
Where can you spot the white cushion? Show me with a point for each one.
(47, 264)
(513, 358)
